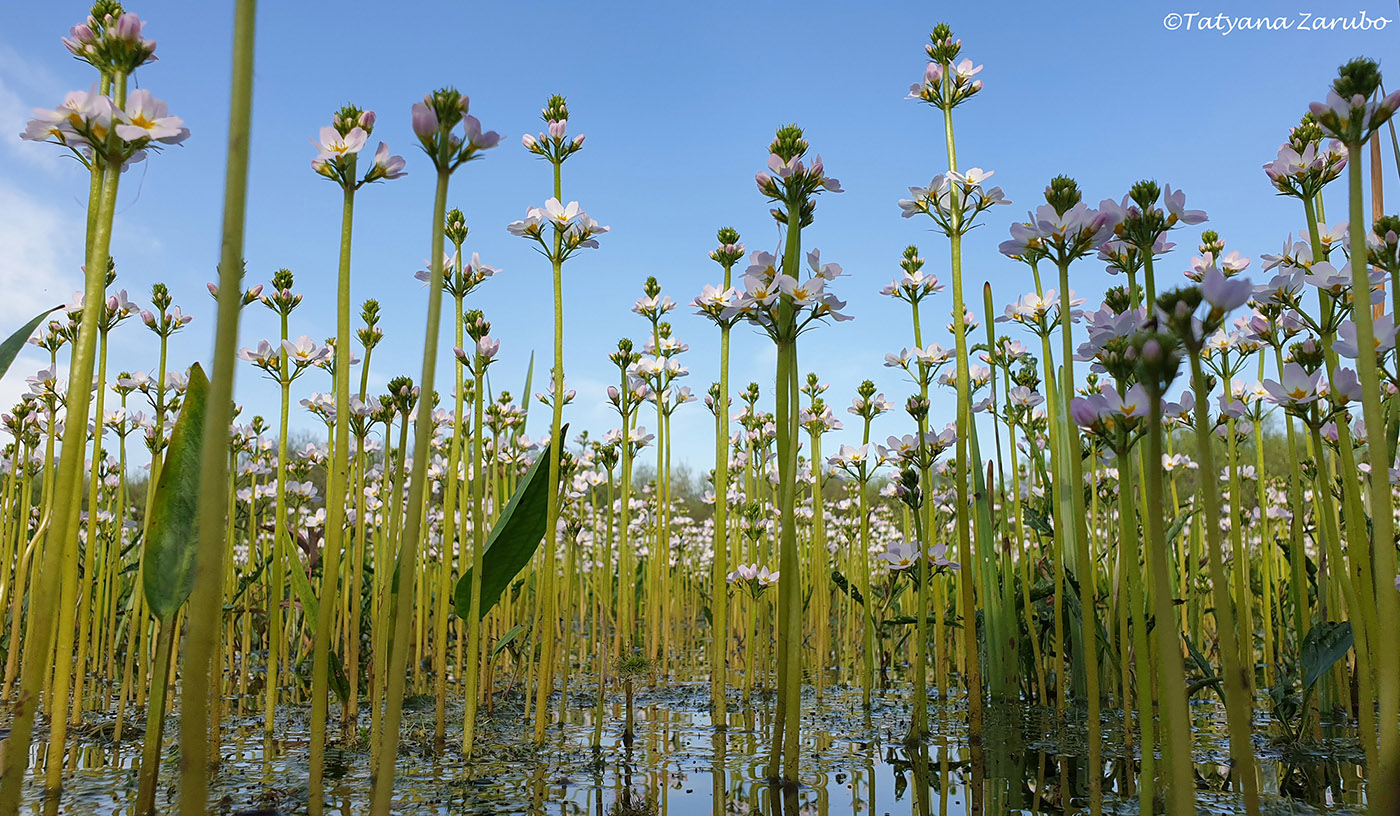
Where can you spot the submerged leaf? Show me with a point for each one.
(173, 540)
(1326, 643)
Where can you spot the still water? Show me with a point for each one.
(854, 762)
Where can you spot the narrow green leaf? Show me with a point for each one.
(10, 349)
(845, 586)
(1326, 643)
(513, 540)
(340, 683)
(171, 545)
(525, 396)
(508, 638)
(309, 605)
(1178, 524)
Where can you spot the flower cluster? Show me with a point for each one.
(1139, 222)
(1352, 110)
(340, 143)
(435, 121)
(944, 84)
(1062, 229)
(1305, 165)
(558, 229)
(554, 145)
(765, 290)
(754, 578)
(913, 285)
(111, 40)
(789, 181)
(95, 129)
(954, 200)
(900, 556)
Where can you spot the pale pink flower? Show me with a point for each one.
(146, 117)
(332, 145)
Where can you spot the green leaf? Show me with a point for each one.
(1208, 676)
(508, 638)
(1038, 522)
(513, 540)
(1326, 643)
(340, 683)
(1178, 524)
(845, 586)
(525, 397)
(309, 606)
(246, 581)
(172, 543)
(10, 349)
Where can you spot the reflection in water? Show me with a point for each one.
(854, 762)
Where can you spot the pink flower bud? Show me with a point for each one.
(128, 27)
(425, 121)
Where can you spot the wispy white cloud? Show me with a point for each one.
(24, 87)
(38, 269)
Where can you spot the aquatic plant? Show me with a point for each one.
(1191, 495)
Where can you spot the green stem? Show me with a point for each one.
(1385, 795)
(153, 743)
(1171, 673)
(545, 623)
(783, 759)
(59, 562)
(336, 479)
(719, 592)
(1238, 706)
(478, 488)
(383, 790)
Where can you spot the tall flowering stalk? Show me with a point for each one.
(462, 280)
(1067, 229)
(105, 129)
(856, 462)
(282, 363)
(945, 85)
(922, 364)
(626, 397)
(1192, 325)
(476, 361)
(560, 231)
(1158, 357)
(818, 419)
(338, 147)
(780, 304)
(435, 122)
(657, 370)
(116, 309)
(1303, 167)
(1352, 113)
(712, 303)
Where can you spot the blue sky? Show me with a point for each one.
(679, 102)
